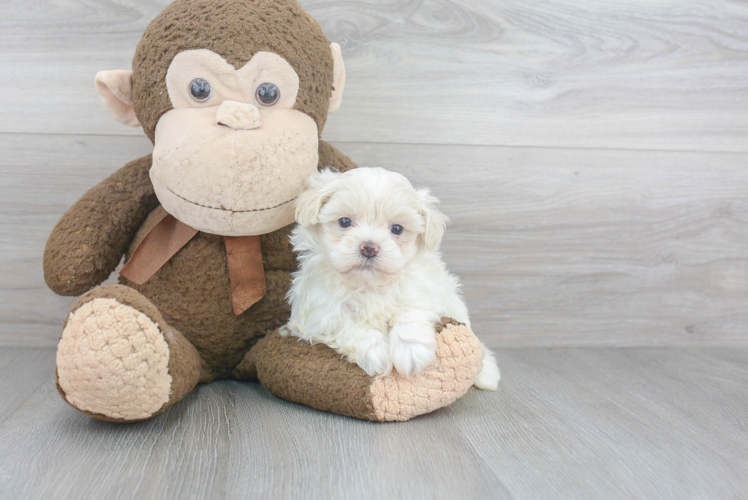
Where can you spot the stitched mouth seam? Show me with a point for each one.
(232, 211)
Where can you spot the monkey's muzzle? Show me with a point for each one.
(233, 169)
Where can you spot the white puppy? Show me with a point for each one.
(371, 282)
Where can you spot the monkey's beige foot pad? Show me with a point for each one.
(458, 361)
(112, 361)
(318, 376)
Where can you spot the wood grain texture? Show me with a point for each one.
(41, 176)
(640, 75)
(24, 370)
(555, 247)
(560, 247)
(623, 223)
(614, 423)
(565, 423)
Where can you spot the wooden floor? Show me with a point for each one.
(566, 423)
(593, 158)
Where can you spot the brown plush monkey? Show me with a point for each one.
(234, 95)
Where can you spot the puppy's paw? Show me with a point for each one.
(412, 347)
(489, 375)
(374, 357)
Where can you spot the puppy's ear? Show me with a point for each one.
(322, 185)
(435, 222)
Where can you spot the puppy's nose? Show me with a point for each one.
(238, 115)
(369, 249)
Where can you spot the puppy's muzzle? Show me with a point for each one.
(369, 249)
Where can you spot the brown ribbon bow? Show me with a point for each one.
(244, 254)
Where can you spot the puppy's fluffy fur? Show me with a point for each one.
(377, 310)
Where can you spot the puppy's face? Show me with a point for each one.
(369, 222)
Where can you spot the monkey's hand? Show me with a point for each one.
(92, 236)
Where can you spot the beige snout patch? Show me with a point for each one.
(238, 115)
(113, 360)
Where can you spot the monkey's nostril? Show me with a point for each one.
(369, 249)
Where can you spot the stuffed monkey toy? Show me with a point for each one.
(234, 95)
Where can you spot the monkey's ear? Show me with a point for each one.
(338, 78)
(115, 90)
(321, 187)
(435, 221)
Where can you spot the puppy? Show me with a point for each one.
(371, 282)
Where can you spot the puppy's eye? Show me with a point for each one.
(345, 222)
(396, 229)
(200, 89)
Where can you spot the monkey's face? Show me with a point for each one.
(234, 96)
(233, 154)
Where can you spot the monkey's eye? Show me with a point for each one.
(396, 229)
(200, 89)
(345, 222)
(267, 94)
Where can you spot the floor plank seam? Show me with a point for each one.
(23, 402)
(452, 412)
(442, 144)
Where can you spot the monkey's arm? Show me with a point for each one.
(330, 157)
(317, 376)
(92, 236)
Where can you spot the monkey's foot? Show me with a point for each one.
(458, 361)
(115, 360)
(318, 376)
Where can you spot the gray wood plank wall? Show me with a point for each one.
(592, 155)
